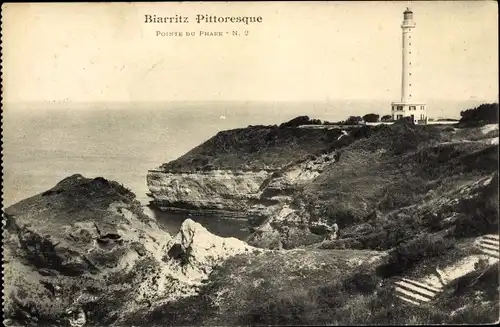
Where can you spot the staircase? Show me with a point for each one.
(429, 287)
(415, 292)
(489, 245)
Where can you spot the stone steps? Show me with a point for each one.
(489, 245)
(419, 292)
(494, 237)
(415, 292)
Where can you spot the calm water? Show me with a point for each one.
(43, 145)
(225, 227)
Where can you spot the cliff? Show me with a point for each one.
(341, 181)
(72, 253)
(239, 169)
(206, 192)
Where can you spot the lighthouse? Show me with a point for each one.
(407, 106)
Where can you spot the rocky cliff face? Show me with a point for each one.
(258, 196)
(206, 192)
(238, 172)
(261, 197)
(85, 253)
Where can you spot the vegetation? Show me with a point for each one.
(386, 118)
(486, 113)
(371, 118)
(415, 192)
(276, 289)
(479, 215)
(398, 182)
(255, 148)
(301, 120)
(353, 120)
(408, 255)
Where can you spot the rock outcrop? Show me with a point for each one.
(84, 253)
(258, 196)
(207, 192)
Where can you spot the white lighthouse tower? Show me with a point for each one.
(408, 106)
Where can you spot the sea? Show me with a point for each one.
(44, 142)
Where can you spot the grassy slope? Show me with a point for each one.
(254, 148)
(320, 288)
(75, 199)
(387, 178)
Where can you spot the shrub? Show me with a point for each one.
(403, 193)
(407, 255)
(353, 120)
(486, 113)
(296, 306)
(479, 215)
(342, 214)
(371, 118)
(361, 282)
(301, 120)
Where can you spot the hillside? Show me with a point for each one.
(254, 148)
(72, 253)
(399, 171)
(416, 197)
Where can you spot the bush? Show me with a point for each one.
(296, 307)
(486, 113)
(371, 118)
(407, 255)
(403, 193)
(353, 120)
(342, 214)
(479, 215)
(301, 120)
(361, 282)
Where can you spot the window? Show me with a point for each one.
(400, 116)
(412, 108)
(400, 107)
(422, 107)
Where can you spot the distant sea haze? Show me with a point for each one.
(44, 143)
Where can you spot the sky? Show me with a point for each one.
(302, 51)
